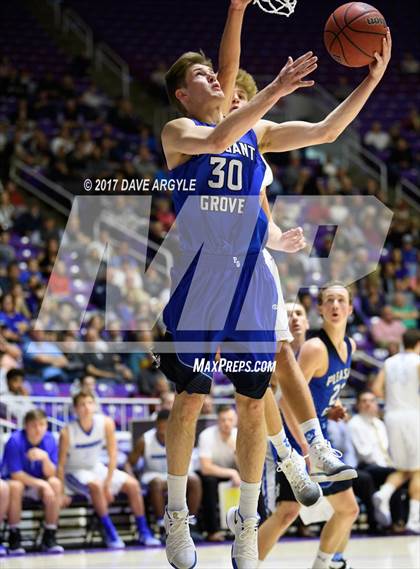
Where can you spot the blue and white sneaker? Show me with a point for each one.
(115, 543)
(149, 540)
(180, 548)
(326, 465)
(245, 547)
(306, 491)
(3, 551)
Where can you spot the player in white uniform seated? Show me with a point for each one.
(83, 473)
(398, 384)
(151, 448)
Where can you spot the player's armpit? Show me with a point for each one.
(273, 137)
(183, 136)
(313, 359)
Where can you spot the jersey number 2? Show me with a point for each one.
(233, 170)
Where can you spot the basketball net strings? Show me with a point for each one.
(279, 7)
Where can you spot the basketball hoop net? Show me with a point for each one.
(280, 7)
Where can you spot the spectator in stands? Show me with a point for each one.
(409, 64)
(16, 398)
(217, 448)
(59, 282)
(7, 253)
(386, 329)
(400, 159)
(373, 302)
(364, 486)
(144, 163)
(370, 439)
(377, 138)
(410, 255)
(82, 471)
(87, 384)
(7, 211)
(151, 448)
(45, 358)
(30, 459)
(405, 310)
(15, 322)
(102, 364)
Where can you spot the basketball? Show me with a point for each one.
(353, 33)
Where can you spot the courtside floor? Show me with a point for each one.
(364, 553)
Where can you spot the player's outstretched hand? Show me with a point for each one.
(378, 67)
(239, 4)
(291, 77)
(292, 241)
(337, 413)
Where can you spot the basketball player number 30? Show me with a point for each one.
(233, 168)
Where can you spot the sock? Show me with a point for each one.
(142, 526)
(248, 503)
(160, 522)
(177, 492)
(386, 491)
(414, 512)
(50, 526)
(322, 560)
(109, 527)
(281, 444)
(312, 431)
(337, 557)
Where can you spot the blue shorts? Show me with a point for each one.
(230, 307)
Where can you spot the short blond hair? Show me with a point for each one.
(245, 81)
(175, 77)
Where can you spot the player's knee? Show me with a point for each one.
(156, 485)
(190, 409)
(55, 484)
(16, 488)
(251, 409)
(354, 511)
(132, 485)
(95, 487)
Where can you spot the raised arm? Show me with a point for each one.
(183, 137)
(230, 51)
(299, 134)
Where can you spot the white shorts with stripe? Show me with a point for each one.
(282, 331)
(78, 480)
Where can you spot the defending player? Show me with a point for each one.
(325, 361)
(82, 471)
(398, 384)
(205, 146)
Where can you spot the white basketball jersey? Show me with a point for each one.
(85, 448)
(268, 176)
(402, 382)
(154, 453)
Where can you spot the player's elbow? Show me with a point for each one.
(327, 133)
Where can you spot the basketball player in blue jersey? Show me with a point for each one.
(215, 150)
(325, 362)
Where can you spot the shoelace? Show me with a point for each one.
(247, 540)
(332, 453)
(179, 528)
(296, 473)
